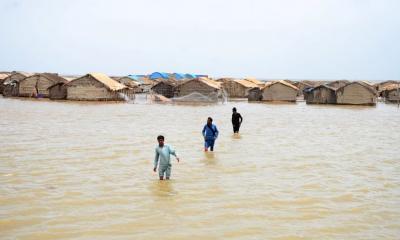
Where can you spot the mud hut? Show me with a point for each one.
(255, 94)
(356, 93)
(164, 88)
(279, 91)
(323, 94)
(202, 86)
(38, 84)
(12, 78)
(391, 92)
(95, 87)
(238, 88)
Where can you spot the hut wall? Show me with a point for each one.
(321, 96)
(58, 92)
(255, 94)
(166, 90)
(279, 92)
(392, 96)
(355, 94)
(234, 89)
(11, 90)
(196, 86)
(27, 87)
(43, 86)
(88, 89)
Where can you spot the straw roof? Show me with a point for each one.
(269, 84)
(108, 82)
(207, 81)
(253, 80)
(3, 75)
(210, 82)
(391, 87)
(246, 83)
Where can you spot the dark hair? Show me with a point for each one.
(160, 137)
(234, 109)
(209, 118)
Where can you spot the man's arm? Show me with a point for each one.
(240, 118)
(216, 132)
(203, 132)
(156, 160)
(173, 152)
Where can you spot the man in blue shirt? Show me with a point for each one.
(163, 153)
(210, 133)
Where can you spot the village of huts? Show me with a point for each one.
(164, 86)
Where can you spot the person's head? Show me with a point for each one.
(234, 109)
(209, 121)
(160, 140)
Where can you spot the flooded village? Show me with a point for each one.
(167, 87)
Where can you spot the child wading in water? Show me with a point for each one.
(163, 153)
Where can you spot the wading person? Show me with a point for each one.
(163, 153)
(236, 120)
(210, 134)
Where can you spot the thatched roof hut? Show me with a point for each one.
(203, 86)
(95, 86)
(356, 93)
(12, 78)
(38, 84)
(279, 91)
(391, 92)
(255, 94)
(323, 94)
(238, 88)
(165, 88)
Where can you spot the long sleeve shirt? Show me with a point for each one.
(210, 132)
(236, 118)
(163, 155)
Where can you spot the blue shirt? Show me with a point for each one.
(210, 132)
(163, 154)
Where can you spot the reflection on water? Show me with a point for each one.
(79, 170)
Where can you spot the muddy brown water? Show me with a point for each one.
(84, 171)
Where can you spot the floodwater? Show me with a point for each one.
(73, 170)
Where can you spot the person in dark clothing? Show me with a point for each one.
(236, 120)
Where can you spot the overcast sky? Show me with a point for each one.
(298, 39)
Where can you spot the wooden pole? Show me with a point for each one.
(398, 95)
